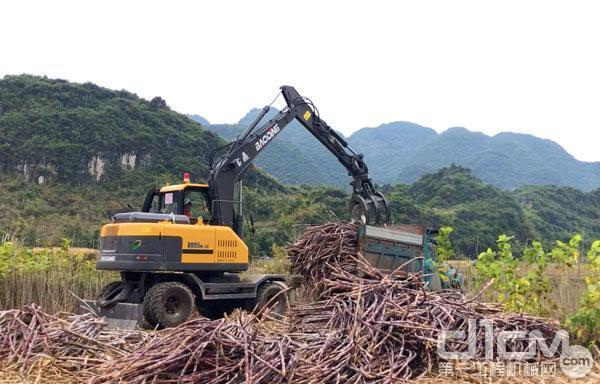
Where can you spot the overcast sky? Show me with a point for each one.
(520, 66)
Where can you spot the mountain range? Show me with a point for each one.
(402, 152)
(72, 153)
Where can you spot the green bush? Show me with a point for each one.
(586, 322)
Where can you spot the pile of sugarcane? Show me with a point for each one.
(238, 349)
(363, 326)
(387, 327)
(64, 345)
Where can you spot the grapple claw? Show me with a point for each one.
(369, 209)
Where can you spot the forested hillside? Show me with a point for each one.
(402, 152)
(57, 130)
(478, 212)
(561, 211)
(453, 196)
(71, 153)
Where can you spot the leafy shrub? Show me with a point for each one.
(585, 324)
(521, 284)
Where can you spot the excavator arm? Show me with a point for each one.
(228, 166)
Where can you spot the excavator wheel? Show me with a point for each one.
(271, 294)
(109, 291)
(168, 304)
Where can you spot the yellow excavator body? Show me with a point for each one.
(200, 243)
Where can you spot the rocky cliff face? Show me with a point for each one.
(53, 130)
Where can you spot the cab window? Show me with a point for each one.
(155, 205)
(170, 202)
(199, 204)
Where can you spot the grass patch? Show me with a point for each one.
(49, 277)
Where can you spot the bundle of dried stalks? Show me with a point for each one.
(387, 327)
(63, 345)
(364, 326)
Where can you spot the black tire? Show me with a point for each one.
(168, 304)
(109, 291)
(265, 296)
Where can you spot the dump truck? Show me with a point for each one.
(407, 249)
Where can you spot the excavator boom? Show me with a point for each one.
(366, 203)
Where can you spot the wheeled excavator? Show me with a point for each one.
(171, 264)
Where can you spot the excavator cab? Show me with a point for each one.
(189, 199)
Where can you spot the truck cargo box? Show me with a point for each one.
(395, 246)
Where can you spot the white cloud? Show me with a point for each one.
(504, 66)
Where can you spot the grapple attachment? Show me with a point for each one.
(369, 208)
